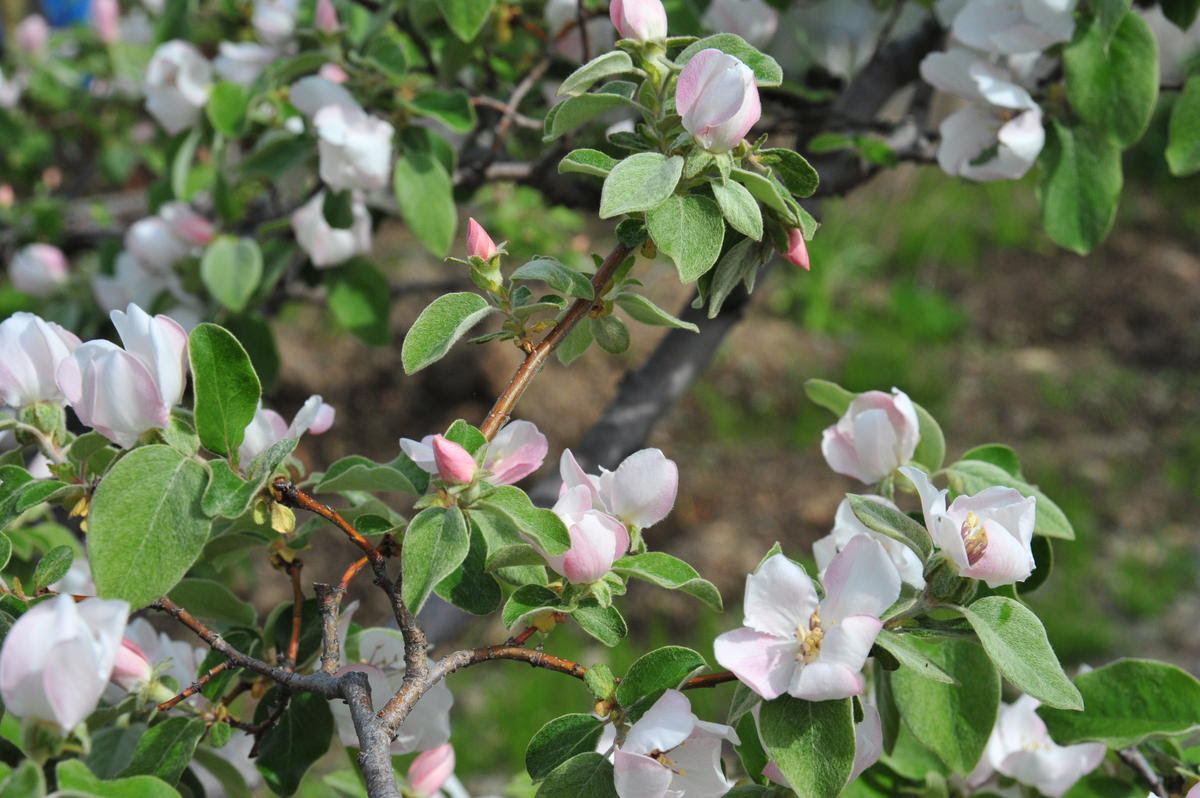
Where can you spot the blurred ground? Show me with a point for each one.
(1086, 366)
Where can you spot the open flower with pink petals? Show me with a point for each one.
(429, 771)
(986, 536)
(878, 433)
(597, 539)
(718, 99)
(669, 753)
(516, 452)
(268, 427)
(31, 350)
(639, 493)
(793, 642)
(846, 527)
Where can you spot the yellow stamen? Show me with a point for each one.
(974, 535)
(810, 639)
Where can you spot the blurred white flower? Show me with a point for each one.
(178, 80)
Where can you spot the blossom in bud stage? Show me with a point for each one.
(877, 433)
(58, 657)
(38, 269)
(797, 251)
(640, 493)
(644, 20)
(794, 643)
(268, 427)
(597, 539)
(516, 452)
(274, 21)
(152, 241)
(187, 225)
(106, 20)
(332, 72)
(325, 17)
(753, 20)
(355, 149)
(568, 43)
(671, 752)
(32, 34)
(455, 465)
(325, 244)
(986, 536)
(31, 350)
(122, 393)
(132, 669)
(429, 771)
(178, 80)
(846, 527)
(479, 243)
(1021, 748)
(243, 62)
(10, 90)
(131, 281)
(718, 99)
(868, 746)
(1008, 27)
(174, 658)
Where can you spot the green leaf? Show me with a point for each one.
(231, 270)
(812, 742)
(1180, 12)
(1100, 785)
(576, 111)
(452, 108)
(603, 623)
(359, 297)
(893, 523)
(527, 602)
(465, 17)
(1015, 640)
(1043, 564)
(145, 526)
(181, 164)
(542, 526)
(559, 740)
(600, 682)
(226, 108)
(469, 586)
(213, 601)
(229, 777)
(1080, 186)
(1127, 702)
(739, 264)
(165, 750)
(5, 551)
(689, 230)
(610, 334)
(931, 448)
(670, 572)
(1113, 83)
(642, 309)
(639, 183)
(230, 496)
(26, 781)
(998, 455)
(74, 778)
(359, 473)
(768, 192)
(587, 162)
(386, 52)
(575, 344)
(276, 156)
(901, 647)
(225, 386)
(587, 775)
(1108, 15)
(301, 737)
(614, 62)
(425, 193)
(557, 275)
(52, 567)
(662, 669)
(435, 543)
(466, 435)
(767, 71)
(1183, 138)
(439, 326)
(792, 169)
(739, 207)
(972, 476)
(953, 721)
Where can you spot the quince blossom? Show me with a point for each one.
(559, 14)
(31, 350)
(325, 244)
(639, 494)
(877, 433)
(1014, 26)
(1021, 748)
(178, 80)
(430, 770)
(243, 62)
(355, 149)
(669, 752)
(986, 536)
(846, 527)
(597, 539)
(268, 427)
(516, 451)
(38, 269)
(718, 99)
(642, 20)
(793, 642)
(753, 20)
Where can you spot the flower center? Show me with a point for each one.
(974, 537)
(810, 639)
(670, 764)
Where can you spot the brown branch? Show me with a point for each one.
(293, 570)
(329, 600)
(194, 688)
(1133, 758)
(287, 494)
(708, 680)
(350, 572)
(537, 358)
(581, 21)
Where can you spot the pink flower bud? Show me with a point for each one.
(644, 20)
(797, 251)
(877, 434)
(597, 539)
(429, 771)
(106, 19)
(32, 34)
(326, 18)
(455, 464)
(718, 99)
(8, 197)
(132, 669)
(333, 72)
(186, 224)
(479, 243)
(38, 269)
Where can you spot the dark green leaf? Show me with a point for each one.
(439, 326)
(603, 623)
(812, 742)
(465, 17)
(557, 275)
(1081, 186)
(435, 543)
(213, 601)
(301, 737)
(559, 740)
(1113, 83)
(587, 775)
(165, 750)
(670, 572)
(689, 230)
(662, 669)
(225, 386)
(972, 476)
(639, 183)
(52, 567)
(359, 297)
(1183, 140)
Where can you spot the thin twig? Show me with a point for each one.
(502, 107)
(1133, 757)
(537, 357)
(581, 21)
(329, 599)
(293, 570)
(194, 688)
(510, 110)
(350, 572)
(284, 492)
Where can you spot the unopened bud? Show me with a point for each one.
(455, 464)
